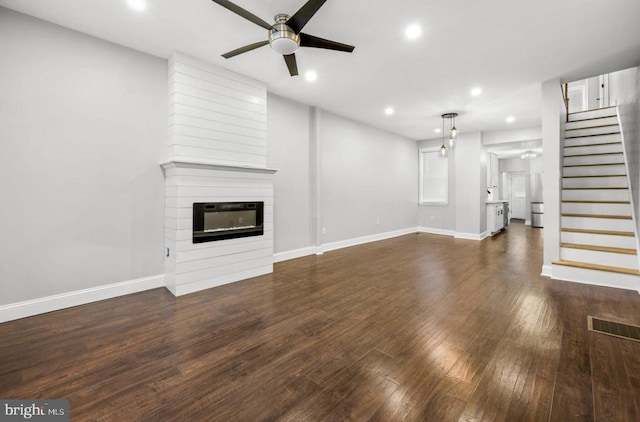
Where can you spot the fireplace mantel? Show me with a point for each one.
(211, 165)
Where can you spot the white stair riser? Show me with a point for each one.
(596, 195)
(592, 130)
(593, 122)
(598, 149)
(595, 182)
(597, 223)
(602, 112)
(594, 170)
(600, 278)
(597, 257)
(599, 239)
(586, 208)
(590, 140)
(594, 159)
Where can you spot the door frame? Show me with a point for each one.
(522, 175)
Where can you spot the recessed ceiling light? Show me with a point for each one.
(476, 91)
(388, 111)
(510, 119)
(413, 31)
(311, 76)
(438, 130)
(139, 5)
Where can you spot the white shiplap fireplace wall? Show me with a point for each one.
(216, 152)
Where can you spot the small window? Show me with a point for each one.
(434, 177)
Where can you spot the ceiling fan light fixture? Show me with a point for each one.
(283, 39)
(284, 42)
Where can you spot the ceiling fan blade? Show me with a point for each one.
(245, 49)
(307, 40)
(292, 64)
(244, 13)
(302, 16)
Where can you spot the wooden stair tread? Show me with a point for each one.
(589, 201)
(597, 188)
(593, 145)
(592, 231)
(593, 154)
(595, 175)
(593, 109)
(593, 165)
(598, 248)
(594, 134)
(591, 118)
(598, 267)
(591, 127)
(612, 216)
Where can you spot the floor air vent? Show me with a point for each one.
(616, 329)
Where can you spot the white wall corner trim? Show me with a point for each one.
(470, 236)
(546, 271)
(366, 239)
(293, 254)
(431, 230)
(43, 305)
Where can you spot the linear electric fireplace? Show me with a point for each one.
(226, 220)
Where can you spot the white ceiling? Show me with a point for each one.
(505, 47)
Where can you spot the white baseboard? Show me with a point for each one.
(527, 222)
(432, 230)
(546, 271)
(293, 254)
(366, 239)
(469, 236)
(458, 235)
(43, 305)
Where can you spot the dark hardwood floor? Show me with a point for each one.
(419, 327)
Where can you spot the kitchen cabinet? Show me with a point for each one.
(496, 216)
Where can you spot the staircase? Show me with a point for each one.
(597, 239)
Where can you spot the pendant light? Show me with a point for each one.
(453, 132)
(443, 149)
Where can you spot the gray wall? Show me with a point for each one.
(81, 126)
(368, 175)
(364, 175)
(288, 151)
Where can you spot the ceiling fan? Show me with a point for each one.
(284, 35)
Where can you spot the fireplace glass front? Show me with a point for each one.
(227, 220)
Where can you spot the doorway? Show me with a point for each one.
(517, 195)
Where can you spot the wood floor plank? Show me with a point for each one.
(418, 328)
